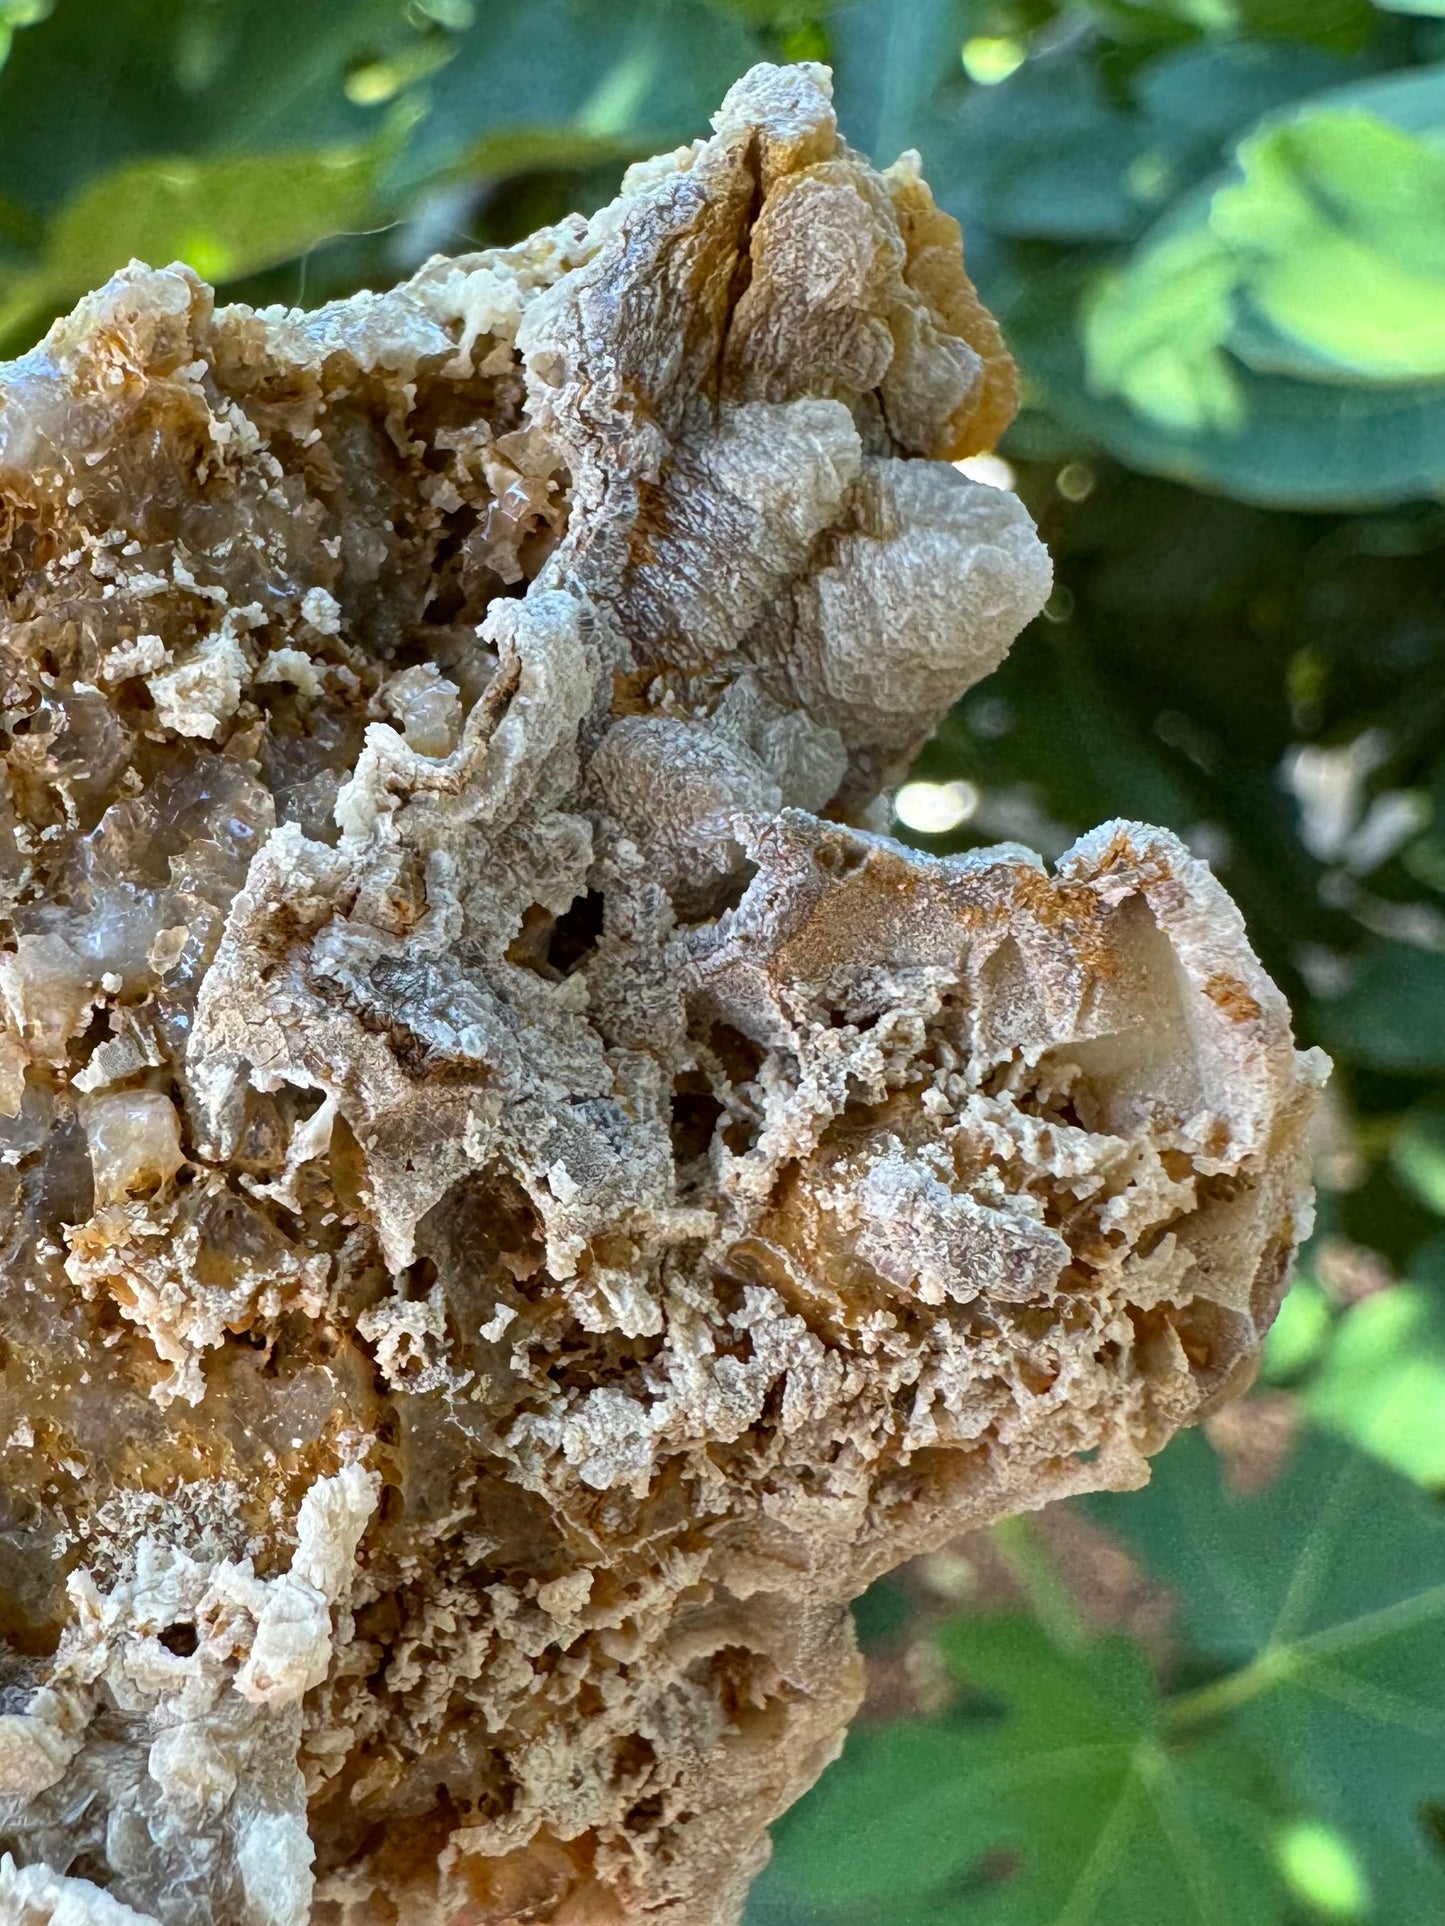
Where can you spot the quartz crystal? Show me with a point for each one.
(520, 1201)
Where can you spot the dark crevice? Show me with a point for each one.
(575, 934)
(696, 1114)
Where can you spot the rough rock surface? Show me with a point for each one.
(517, 1205)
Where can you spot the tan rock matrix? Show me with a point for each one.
(517, 1207)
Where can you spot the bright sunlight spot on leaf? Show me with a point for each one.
(934, 808)
(1320, 1869)
(211, 258)
(374, 82)
(990, 58)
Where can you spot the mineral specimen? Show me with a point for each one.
(518, 1202)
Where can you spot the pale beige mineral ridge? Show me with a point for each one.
(518, 1202)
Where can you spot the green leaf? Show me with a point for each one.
(1335, 237)
(18, 228)
(1326, 23)
(1061, 1788)
(881, 1613)
(1061, 1804)
(1382, 1381)
(1054, 152)
(634, 78)
(896, 69)
(1392, 1017)
(15, 14)
(224, 217)
(1324, 1597)
(1294, 444)
(1337, 232)
(1154, 335)
(94, 86)
(1299, 1334)
(1418, 1154)
(1055, 1800)
(1277, 334)
(512, 150)
(1046, 155)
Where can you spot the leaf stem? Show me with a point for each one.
(1223, 1695)
(1279, 1662)
(1049, 1599)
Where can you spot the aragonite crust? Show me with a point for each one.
(518, 1202)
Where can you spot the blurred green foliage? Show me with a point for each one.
(1279, 1772)
(1215, 231)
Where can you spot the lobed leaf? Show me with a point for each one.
(1062, 1803)
(1324, 1597)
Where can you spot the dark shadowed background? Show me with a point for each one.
(1215, 232)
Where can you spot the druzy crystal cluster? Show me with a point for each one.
(519, 1201)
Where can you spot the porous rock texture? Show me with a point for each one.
(518, 1205)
